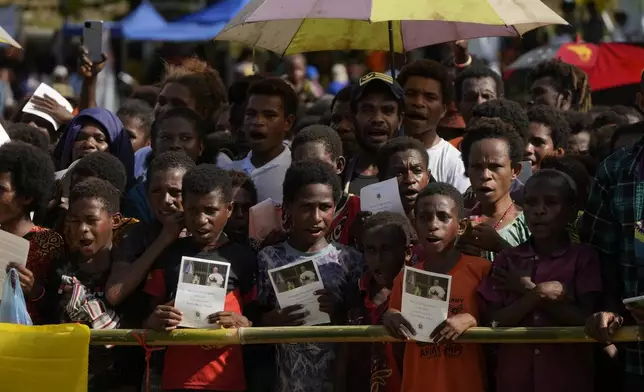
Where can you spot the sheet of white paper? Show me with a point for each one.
(41, 91)
(294, 284)
(263, 218)
(425, 300)
(4, 137)
(382, 196)
(13, 249)
(201, 290)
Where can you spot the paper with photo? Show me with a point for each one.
(13, 249)
(425, 300)
(382, 196)
(41, 91)
(264, 217)
(201, 291)
(295, 284)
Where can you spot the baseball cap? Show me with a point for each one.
(371, 79)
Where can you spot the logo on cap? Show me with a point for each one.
(375, 75)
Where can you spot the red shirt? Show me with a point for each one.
(345, 215)
(545, 367)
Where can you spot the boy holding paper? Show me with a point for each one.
(440, 221)
(311, 192)
(207, 201)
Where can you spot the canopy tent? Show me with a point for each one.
(144, 17)
(176, 32)
(222, 11)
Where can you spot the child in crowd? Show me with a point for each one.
(311, 192)
(387, 246)
(30, 135)
(75, 285)
(207, 200)
(177, 129)
(244, 197)
(143, 243)
(492, 152)
(270, 114)
(137, 117)
(26, 182)
(549, 132)
(405, 159)
(573, 167)
(579, 137)
(440, 221)
(323, 143)
(546, 281)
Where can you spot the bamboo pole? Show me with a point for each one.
(343, 334)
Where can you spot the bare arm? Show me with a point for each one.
(512, 314)
(569, 313)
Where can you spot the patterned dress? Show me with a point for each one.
(307, 367)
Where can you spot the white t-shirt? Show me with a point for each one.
(446, 165)
(307, 277)
(436, 292)
(269, 178)
(216, 279)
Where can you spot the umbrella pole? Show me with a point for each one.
(391, 49)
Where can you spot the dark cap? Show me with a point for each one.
(376, 78)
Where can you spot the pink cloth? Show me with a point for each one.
(545, 367)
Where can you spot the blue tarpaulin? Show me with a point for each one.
(144, 17)
(177, 32)
(222, 11)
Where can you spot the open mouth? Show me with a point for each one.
(415, 117)
(433, 240)
(410, 193)
(256, 135)
(485, 189)
(86, 243)
(378, 134)
(167, 212)
(315, 230)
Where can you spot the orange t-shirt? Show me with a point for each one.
(456, 142)
(450, 367)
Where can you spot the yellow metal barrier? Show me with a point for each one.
(342, 334)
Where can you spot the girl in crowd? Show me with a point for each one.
(92, 130)
(26, 184)
(492, 152)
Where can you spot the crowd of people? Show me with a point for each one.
(111, 202)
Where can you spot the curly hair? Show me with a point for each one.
(553, 120)
(322, 134)
(575, 169)
(578, 121)
(493, 128)
(139, 109)
(609, 117)
(396, 145)
(204, 83)
(277, 87)
(170, 160)
(28, 134)
(566, 77)
(477, 71)
(243, 181)
(311, 172)
(102, 165)
(443, 189)
(397, 222)
(32, 173)
(428, 69)
(95, 188)
(207, 178)
(507, 111)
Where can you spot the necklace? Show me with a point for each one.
(496, 226)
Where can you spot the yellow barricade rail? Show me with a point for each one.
(341, 334)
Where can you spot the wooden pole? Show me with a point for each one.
(340, 334)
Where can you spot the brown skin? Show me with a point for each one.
(475, 91)
(543, 92)
(316, 150)
(342, 123)
(438, 225)
(266, 125)
(174, 95)
(540, 145)
(424, 109)
(410, 169)
(89, 227)
(178, 134)
(238, 223)
(91, 138)
(139, 136)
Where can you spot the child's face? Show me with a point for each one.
(206, 215)
(265, 123)
(178, 134)
(490, 170)
(88, 226)
(546, 211)
(164, 193)
(311, 213)
(316, 150)
(438, 224)
(238, 222)
(409, 168)
(12, 206)
(539, 145)
(139, 136)
(384, 254)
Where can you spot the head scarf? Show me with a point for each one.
(118, 140)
